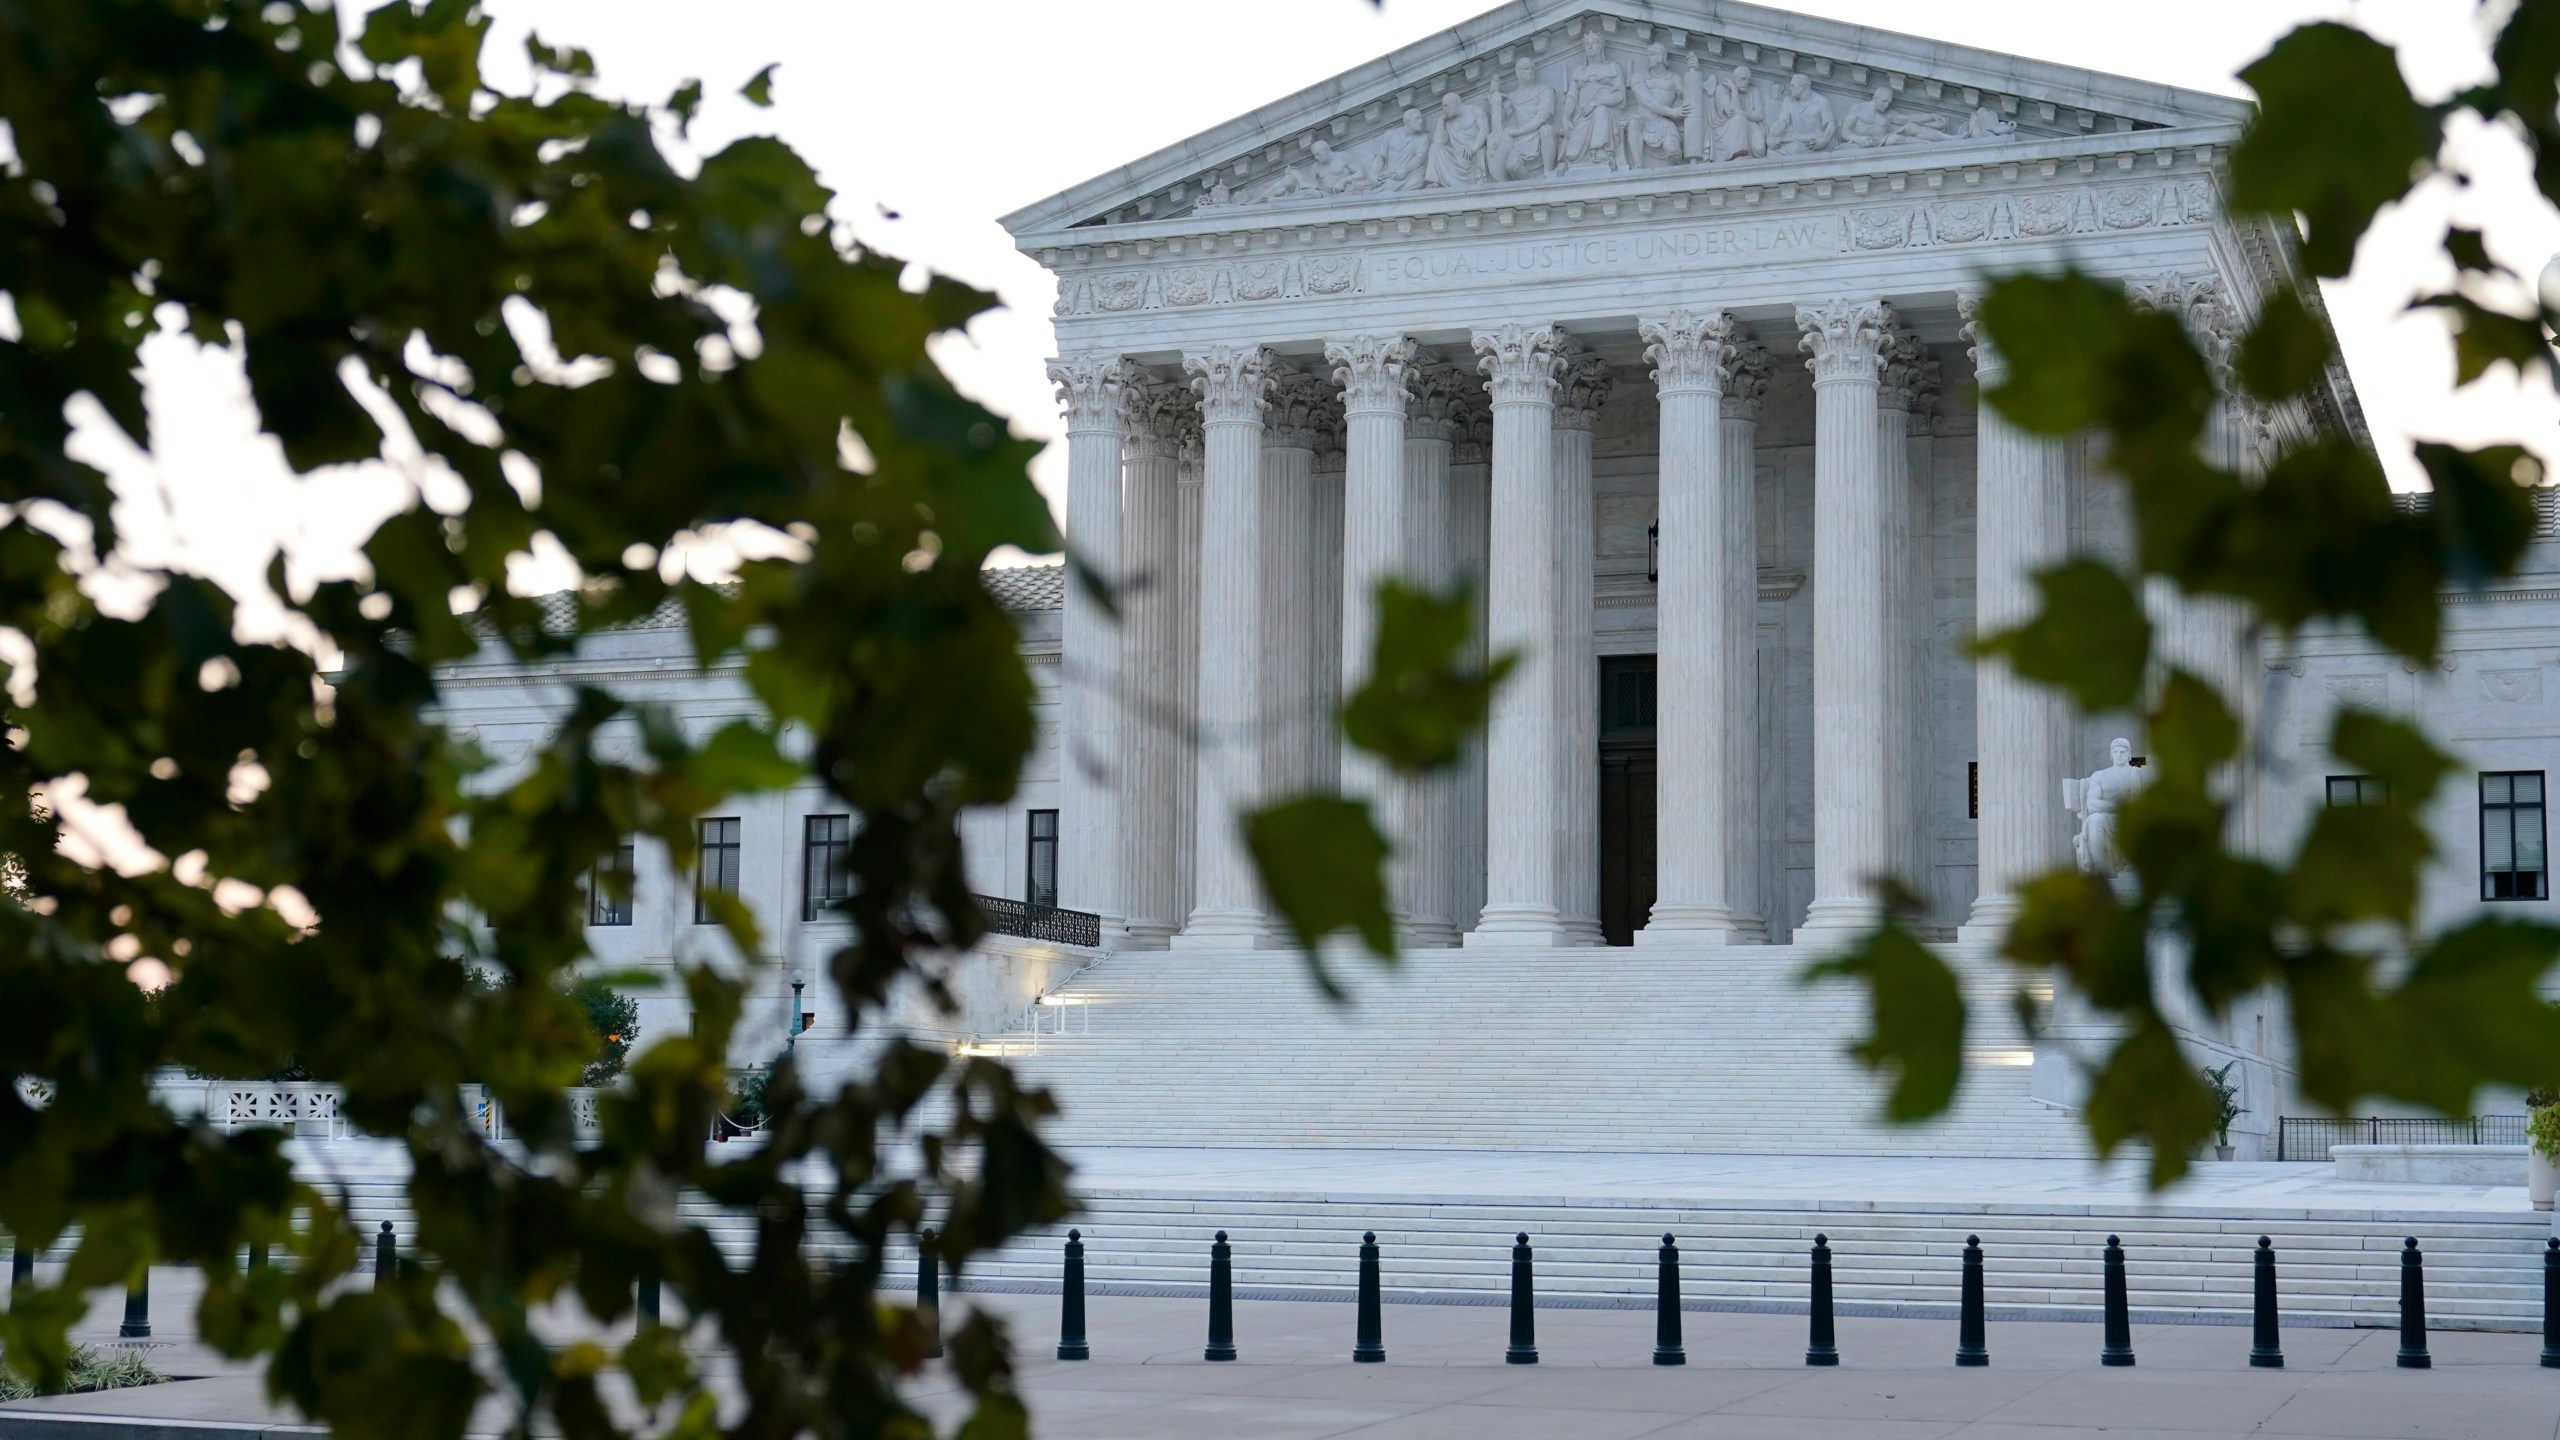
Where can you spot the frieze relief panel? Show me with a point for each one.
(1678, 243)
(1595, 97)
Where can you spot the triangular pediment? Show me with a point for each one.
(1567, 93)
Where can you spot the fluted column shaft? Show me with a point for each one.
(1586, 385)
(1748, 850)
(1844, 338)
(1471, 541)
(2019, 529)
(1089, 878)
(1232, 382)
(1152, 743)
(1694, 603)
(1525, 808)
(1297, 753)
(1903, 373)
(1433, 804)
(1186, 711)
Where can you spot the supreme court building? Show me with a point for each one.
(1652, 322)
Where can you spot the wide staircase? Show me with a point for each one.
(1588, 1050)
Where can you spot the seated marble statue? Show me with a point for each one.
(1405, 155)
(1458, 135)
(1804, 121)
(2096, 800)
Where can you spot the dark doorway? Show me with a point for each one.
(1626, 795)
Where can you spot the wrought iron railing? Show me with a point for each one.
(2308, 1137)
(1041, 922)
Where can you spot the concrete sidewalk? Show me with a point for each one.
(1445, 1378)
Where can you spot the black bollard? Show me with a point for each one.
(137, 1308)
(1222, 1301)
(929, 1291)
(2117, 1348)
(1969, 1347)
(2266, 1352)
(22, 1270)
(1823, 1348)
(1369, 1345)
(1524, 1307)
(1071, 1344)
(1666, 1309)
(386, 1255)
(2551, 1304)
(2413, 1307)
(649, 1300)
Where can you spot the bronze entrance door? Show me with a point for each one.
(1626, 795)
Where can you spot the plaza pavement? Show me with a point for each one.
(1444, 1377)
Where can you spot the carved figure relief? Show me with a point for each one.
(2096, 800)
(1606, 108)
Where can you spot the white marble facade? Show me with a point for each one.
(1491, 307)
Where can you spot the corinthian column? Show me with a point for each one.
(1525, 800)
(1469, 428)
(1186, 695)
(1090, 387)
(1383, 539)
(1747, 853)
(2018, 529)
(1845, 340)
(1297, 751)
(1231, 381)
(1441, 539)
(1153, 748)
(1585, 388)
(1700, 587)
(1906, 374)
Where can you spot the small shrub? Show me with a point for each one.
(615, 1019)
(2226, 1099)
(2543, 1128)
(117, 1370)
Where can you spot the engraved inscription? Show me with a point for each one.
(1644, 250)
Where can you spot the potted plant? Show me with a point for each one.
(2542, 1145)
(2226, 1102)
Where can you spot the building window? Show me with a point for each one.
(1973, 789)
(2511, 836)
(826, 855)
(609, 888)
(1041, 887)
(717, 873)
(2357, 790)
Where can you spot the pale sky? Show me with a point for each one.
(951, 115)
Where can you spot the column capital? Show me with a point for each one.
(1746, 379)
(1909, 374)
(1089, 387)
(1372, 371)
(1442, 394)
(1988, 368)
(1689, 350)
(1844, 338)
(1584, 388)
(2203, 306)
(1155, 409)
(1297, 410)
(1232, 381)
(1521, 363)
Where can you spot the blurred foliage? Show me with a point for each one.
(88, 1370)
(591, 342)
(613, 1020)
(2295, 522)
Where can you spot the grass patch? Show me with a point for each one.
(115, 1370)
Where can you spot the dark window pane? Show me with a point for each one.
(2513, 837)
(826, 853)
(1041, 883)
(609, 889)
(718, 870)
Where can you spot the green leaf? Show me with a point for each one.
(2392, 751)
(759, 91)
(2089, 637)
(2148, 1090)
(2484, 338)
(2191, 729)
(1917, 1020)
(1423, 697)
(2286, 351)
(2338, 137)
(2482, 511)
(742, 758)
(1322, 862)
(2476, 1004)
(2082, 355)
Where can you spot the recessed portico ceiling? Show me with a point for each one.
(1545, 92)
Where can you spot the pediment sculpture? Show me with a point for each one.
(1605, 109)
